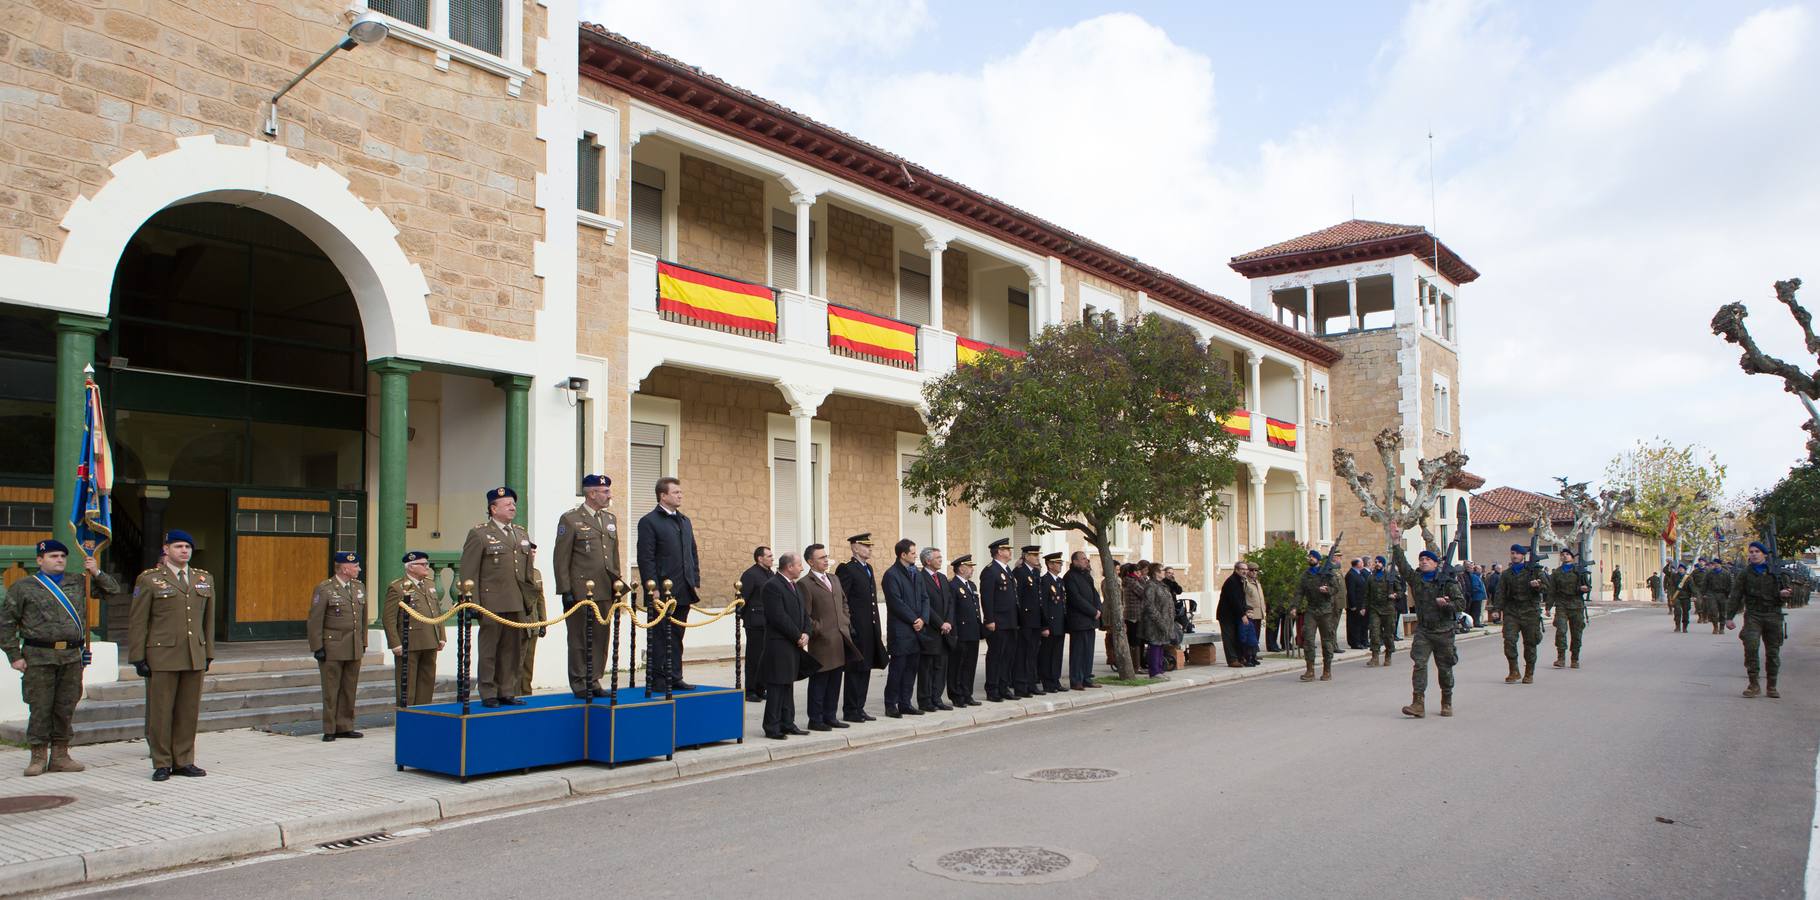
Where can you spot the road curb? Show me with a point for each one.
(312, 830)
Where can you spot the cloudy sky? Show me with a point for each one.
(1616, 170)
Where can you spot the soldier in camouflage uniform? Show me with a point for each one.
(1567, 591)
(1680, 590)
(1518, 601)
(1715, 593)
(1437, 603)
(1322, 595)
(1381, 613)
(1760, 593)
(44, 631)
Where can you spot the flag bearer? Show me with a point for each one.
(44, 631)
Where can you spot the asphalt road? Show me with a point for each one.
(1270, 788)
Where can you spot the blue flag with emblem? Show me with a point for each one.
(92, 513)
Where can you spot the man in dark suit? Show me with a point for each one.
(666, 549)
(751, 583)
(907, 616)
(1054, 605)
(1081, 620)
(964, 601)
(937, 635)
(861, 588)
(1026, 578)
(787, 634)
(998, 610)
(1358, 585)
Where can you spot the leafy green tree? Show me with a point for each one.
(1794, 502)
(1280, 565)
(1664, 477)
(1100, 420)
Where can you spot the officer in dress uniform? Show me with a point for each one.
(587, 549)
(998, 602)
(417, 586)
(861, 587)
(171, 642)
(44, 631)
(1029, 623)
(496, 556)
(1054, 605)
(534, 612)
(963, 663)
(338, 639)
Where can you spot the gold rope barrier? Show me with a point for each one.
(663, 612)
(714, 615)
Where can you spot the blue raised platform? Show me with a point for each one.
(557, 729)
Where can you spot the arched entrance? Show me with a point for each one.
(237, 386)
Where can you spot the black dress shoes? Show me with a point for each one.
(891, 712)
(189, 771)
(776, 737)
(511, 701)
(351, 734)
(912, 711)
(942, 706)
(162, 773)
(680, 685)
(820, 726)
(327, 737)
(490, 702)
(793, 730)
(601, 692)
(833, 724)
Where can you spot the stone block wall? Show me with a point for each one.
(720, 221)
(1363, 400)
(1073, 278)
(862, 476)
(601, 315)
(957, 313)
(862, 269)
(450, 157)
(1438, 359)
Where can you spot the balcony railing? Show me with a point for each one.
(869, 336)
(717, 302)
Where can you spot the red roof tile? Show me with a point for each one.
(1351, 231)
(1514, 506)
(1353, 241)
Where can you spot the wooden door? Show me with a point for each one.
(281, 550)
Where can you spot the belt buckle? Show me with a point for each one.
(60, 645)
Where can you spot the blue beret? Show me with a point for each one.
(1758, 546)
(1314, 554)
(178, 537)
(52, 546)
(589, 481)
(1382, 560)
(1519, 548)
(414, 556)
(1428, 554)
(500, 493)
(347, 556)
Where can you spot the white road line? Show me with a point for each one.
(1813, 839)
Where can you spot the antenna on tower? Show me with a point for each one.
(1434, 218)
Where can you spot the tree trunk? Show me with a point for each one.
(1112, 608)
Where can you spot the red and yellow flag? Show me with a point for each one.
(1668, 534)
(968, 352)
(1239, 423)
(1279, 434)
(714, 298)
(863, 332)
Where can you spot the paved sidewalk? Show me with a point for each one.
(267, 792)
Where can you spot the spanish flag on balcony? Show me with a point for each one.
(1279, 434)
(863, 332)
(1239, 423)
(968, 352)
(716, 299)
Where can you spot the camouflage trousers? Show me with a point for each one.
(1325, 621)
(51, 691)
(1438, 644)
(1758, 627)
(1682, 607)
(1383, 629)
(1529, 628)
(1570, 623)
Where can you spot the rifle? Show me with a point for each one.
(1585, 579)
(1778, 576)
(1327, 562)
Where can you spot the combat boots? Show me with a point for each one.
(1770, 689)
(1560, 660)
(1373, 662)
(1326, 670)
(1308, 674)
(1576, 662)
(1387, 652)
(1513, 677)
(1529, 671)
(61, 760)
(1415, 708)
(39, 754)
(1447, 703)
(1749, 692)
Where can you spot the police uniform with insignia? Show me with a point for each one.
(587, 549)
(496, 556)
(1053, 603)
(44, 631)
(171, 641)
(337, 631)
(998, 602)
(1029, 625)
(418, 668)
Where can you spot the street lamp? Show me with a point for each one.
(369, 28)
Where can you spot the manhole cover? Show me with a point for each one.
(1007, 865)
(33, 803)
(1071, 774)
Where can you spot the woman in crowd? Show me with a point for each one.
(1131, 581)
(1158, 623)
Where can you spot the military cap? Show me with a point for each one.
(500, 493)
(1033, 548)
(965, 559)
(51, 546)
(1001, 542)
(1428, 554)
(1314, 554)
(178, 537)
(1383, 560)
(588, 481)
(1567, 551)
(414, 556)
(864, 537)
(1758, 546)
(1519, 548)
(347, 556)
(1052, 557)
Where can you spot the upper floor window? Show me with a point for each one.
(589, 171)
(913, 289)
(480, 24)
(1443, 404)
(1319, 399)
(647, 209)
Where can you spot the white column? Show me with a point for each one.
(1301, 510)
(935, 249)
(1039, 305)
(1209, 589)
(1256, 392)
(803, 203)
(1301, 405)
(1352, 304)
(1256, 520)
(804, 400)
(1308, 303)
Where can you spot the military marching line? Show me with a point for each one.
(804, 619)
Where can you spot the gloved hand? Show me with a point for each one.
(207, 663)
(542, 630)
(321, 655)
(568, 599)
(141, 669)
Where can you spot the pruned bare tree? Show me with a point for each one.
(1590, 512)
(1728, 323)
(1398, 512)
